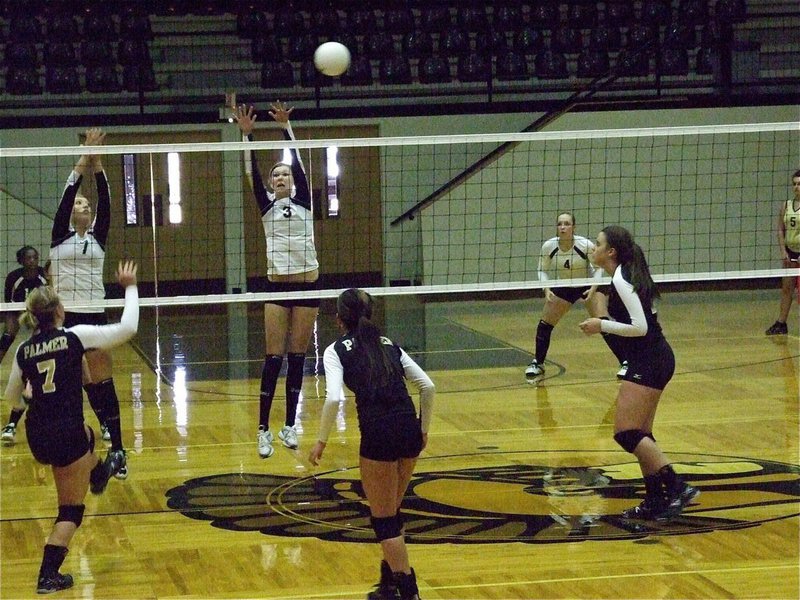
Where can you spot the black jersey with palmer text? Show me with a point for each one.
(51, 362)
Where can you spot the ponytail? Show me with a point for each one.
(354, 308)
(41, 309)
(634, 264)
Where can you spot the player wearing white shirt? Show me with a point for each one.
(651, 364)
(789, 243)
(288, 220)
(77, 257)
(564, 257)
(392, 436)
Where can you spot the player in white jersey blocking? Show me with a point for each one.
(292, 266)
(77, 257)
(789, 242)
(565, 257)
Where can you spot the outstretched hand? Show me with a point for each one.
(126, 273)
(245, 117)
(280, 112)
(94, 137)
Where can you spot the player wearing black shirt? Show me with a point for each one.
(50, 366)
(19, 283)
(651, 365)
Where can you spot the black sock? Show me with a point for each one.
(52, 559)
(15, 416)
(106, 398)
(294, 384)
(95, 402)
(543, 332)
(672, 481)
(269, 378)
(653, 488)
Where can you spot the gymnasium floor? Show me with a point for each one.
(517, 495)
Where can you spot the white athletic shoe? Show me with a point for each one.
(534, 372)
(105, 433)
(623, 369)
(9, 435)
(288, 436)
(265, 448)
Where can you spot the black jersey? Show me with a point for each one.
(373, 402)
(51, 362)
(18, 286)
(635, 321)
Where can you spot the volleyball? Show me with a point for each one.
(332, 58)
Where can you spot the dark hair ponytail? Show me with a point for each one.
(354, 308)
(634, 264)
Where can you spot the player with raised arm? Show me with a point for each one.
(292, 266)
(50, 364)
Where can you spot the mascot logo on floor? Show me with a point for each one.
(515, 497)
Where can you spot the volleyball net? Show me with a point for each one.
(421, 215)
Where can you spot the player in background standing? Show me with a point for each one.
(566, 257)
(292, 266)
(789, 243)
(19, 283)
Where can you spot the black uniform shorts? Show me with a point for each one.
(391, 437)
(652, 369)
(570, 294)
(293, 286)
(59, 446)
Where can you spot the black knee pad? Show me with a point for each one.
(72, 513)
(5, 341)
(386, 528)
(629, 438)
(650, 435)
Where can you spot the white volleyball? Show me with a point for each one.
(332, 58)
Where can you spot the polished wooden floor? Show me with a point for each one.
(517, 495)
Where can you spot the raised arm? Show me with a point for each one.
(281, 113)
(246, 118)
(102, 221)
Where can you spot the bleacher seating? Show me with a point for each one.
(177, 48)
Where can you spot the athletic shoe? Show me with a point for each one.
(105, 433)
(53, 583)
(9, 435)
(648, 510)
(386, 588)
(534, 372)
(265, 438)
(623, 369)
(114, 462)
(680, 500)
(777, 328)
(122, 471)
(288, 436)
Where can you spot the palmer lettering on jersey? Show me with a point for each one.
(348, 344)
(54, 345)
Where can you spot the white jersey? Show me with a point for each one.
(288, 222)
(574, 263)
(77, 261)
(791, 226)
